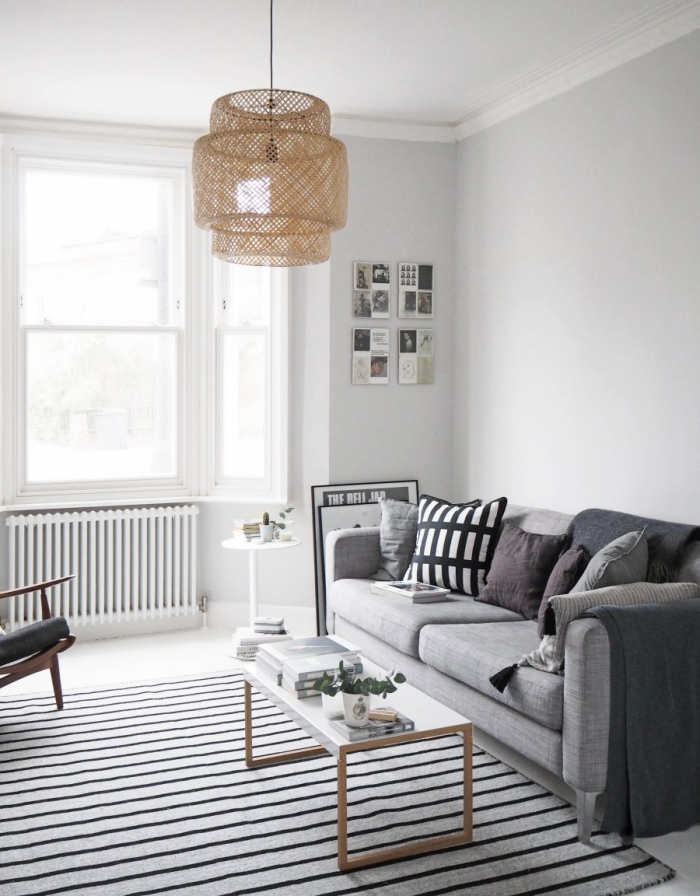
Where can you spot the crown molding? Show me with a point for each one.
(670, 20)
(391, 129)
(181, 138)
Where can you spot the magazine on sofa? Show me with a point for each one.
(418, 592)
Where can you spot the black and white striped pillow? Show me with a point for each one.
(455, 543)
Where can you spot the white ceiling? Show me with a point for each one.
(422, 62)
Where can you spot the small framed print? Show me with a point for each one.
(370, 356)
(424, 304)
(361, 303)
(416, 356)
(416, 296)
(371, 274)
(362, 278)
(370, 289)
(380, 303)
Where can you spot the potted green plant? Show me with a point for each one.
(266, 527)
(283, 526)
(356, 691)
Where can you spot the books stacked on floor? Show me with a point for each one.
(416, 592)
(297, 664)
(246, 641)
(268, 625)
(246, 529)
(391, 723)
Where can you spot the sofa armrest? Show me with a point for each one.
(586, 706)
(351, 554)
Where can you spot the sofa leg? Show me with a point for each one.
(585, 806)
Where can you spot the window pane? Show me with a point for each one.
(97, 248)
(249, 296)
(101, 405)
(243, 406)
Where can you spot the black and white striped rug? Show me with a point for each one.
(141, 789)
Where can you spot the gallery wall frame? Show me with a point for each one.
(348, 506)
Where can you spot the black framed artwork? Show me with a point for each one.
(347, 506)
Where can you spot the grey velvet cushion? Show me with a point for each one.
(550, 654)
(567, 571)
(31, 639)
(620, 562)
(520, 569)
(397, 538)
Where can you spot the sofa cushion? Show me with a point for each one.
(473, 653)
(398, 524)
(397, 621)
(567, 571)
(621, 562)
(522, 563)
(455, 543)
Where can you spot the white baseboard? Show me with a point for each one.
(300, 621)
(101, 631)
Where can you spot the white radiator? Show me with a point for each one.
(128, 564)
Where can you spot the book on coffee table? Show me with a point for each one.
(310, 654)
(417, 592)
(374, 728)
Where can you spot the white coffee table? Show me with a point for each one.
(432, 719)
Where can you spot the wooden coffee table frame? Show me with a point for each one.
(391, 853)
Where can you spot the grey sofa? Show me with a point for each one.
(450, 649)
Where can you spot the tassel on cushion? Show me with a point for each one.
(500, 679)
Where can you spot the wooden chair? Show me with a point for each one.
(36, 646)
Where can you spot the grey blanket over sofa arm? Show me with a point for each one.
(653, 784)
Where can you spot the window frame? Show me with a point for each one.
(198, 293)
(273, 486)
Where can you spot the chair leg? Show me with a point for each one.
(585, 807)
(56, 680)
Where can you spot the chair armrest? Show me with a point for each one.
(38, 586)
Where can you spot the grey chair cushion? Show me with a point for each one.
(31, 639)
(398, 622)
(473, 653)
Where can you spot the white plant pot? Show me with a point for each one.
(356, 708)
(333, 706)
(266, 532)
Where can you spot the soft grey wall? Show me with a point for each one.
(402, 208)
(578, 382)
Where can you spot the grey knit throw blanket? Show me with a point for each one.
(594, 528)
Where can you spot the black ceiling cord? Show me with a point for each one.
(271, 2)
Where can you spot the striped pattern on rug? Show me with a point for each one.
(141, 789)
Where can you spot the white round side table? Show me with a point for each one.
(254, 547)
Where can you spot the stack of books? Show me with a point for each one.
(298, 663)
(246, 641)
(247, 529)
(416, 592)
(375, 727)
(269, 625)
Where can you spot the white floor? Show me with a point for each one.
(147, 657)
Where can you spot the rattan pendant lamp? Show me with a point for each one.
(269, 180)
